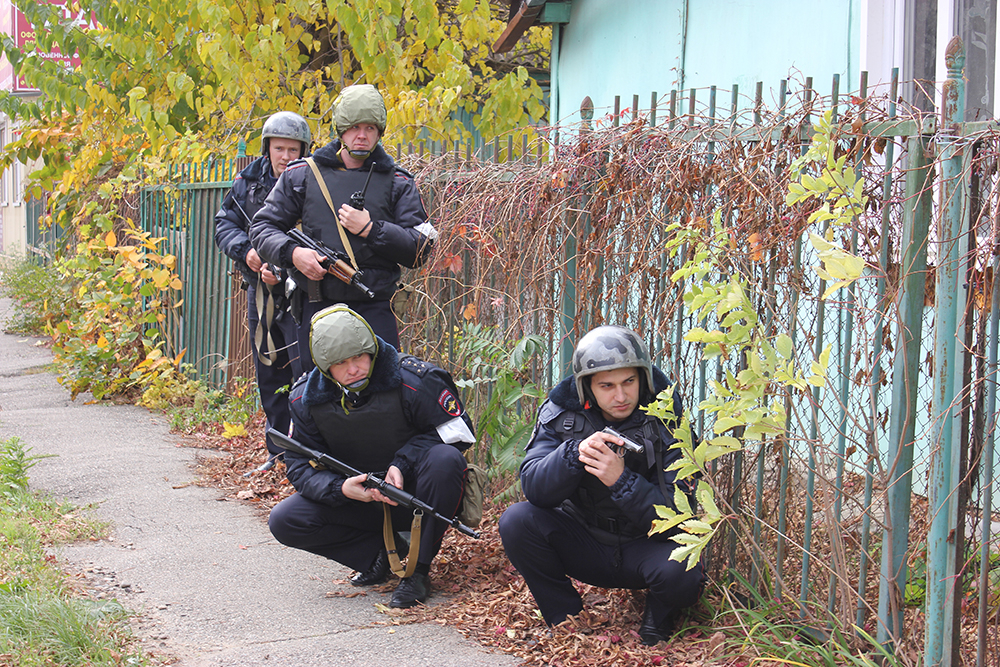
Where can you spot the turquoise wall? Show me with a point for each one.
(628, 47)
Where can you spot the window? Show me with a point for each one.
(5, 177)
(18, 183)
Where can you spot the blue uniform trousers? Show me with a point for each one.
(351, 534)
(548, 547)
(274, 382)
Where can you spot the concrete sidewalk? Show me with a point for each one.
(213, 587)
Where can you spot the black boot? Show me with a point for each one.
(651, 631)
(378, 571)
(411, 591)
(375, 574)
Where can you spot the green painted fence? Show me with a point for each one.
(889, 464)
(209, 322)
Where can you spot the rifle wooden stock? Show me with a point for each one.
(333, 261)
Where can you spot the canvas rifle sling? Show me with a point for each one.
(266, 352)
(390, 543)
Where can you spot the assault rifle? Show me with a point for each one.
(630, 445)
(335, 262)
(371, 481)
(358, 198)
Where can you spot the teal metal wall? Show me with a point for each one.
(644, 46)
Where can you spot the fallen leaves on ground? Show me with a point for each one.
(475, 588)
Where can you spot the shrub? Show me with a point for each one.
(40, 294)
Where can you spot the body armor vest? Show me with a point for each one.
(256, 194)
(591, 502)
(257, 191)
(368, 437)
(318, 222)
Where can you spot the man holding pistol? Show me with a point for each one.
(590, 499)
(389, 229)
(395, 416)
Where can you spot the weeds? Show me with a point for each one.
(43, 623)
(762, 630)
(40, 295)
(15, 461)
(216, 407)
(500, 392)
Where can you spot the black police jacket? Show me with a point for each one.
(232, 222)
(400, 233)
(429, 405)
(553, 476)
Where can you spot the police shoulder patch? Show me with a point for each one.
(449, 403)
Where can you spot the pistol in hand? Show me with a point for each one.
(630, 445)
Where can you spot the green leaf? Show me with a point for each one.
(726, 423)
(681, 502)
(783, 344)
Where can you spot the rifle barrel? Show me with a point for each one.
(388, 490)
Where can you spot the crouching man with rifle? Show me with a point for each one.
(369, 409)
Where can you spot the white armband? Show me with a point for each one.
(454, 431)
(427, 229)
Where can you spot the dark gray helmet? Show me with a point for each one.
(360, 103)
(337, 333)
(286, 125)
(608, 348)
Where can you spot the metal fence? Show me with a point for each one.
(889, 467)
(209, 321)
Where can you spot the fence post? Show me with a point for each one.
(899, 462)
(880, 311)
(948, 361)
(568, 315)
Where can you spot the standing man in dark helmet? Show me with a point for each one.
(392, 228)
(589, 508)
(285, 138)
(375, 411)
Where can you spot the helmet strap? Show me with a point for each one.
(360, 155)
(646, 395)
(588, 395)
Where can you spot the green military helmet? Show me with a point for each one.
(338, 333)
(286, 125)
(607, 348)
(360, 103)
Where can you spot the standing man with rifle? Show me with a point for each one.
(377, 412)
(594, 472)
(353, 199)
(286, 137)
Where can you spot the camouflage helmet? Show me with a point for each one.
(360, 103)
(286, 125)
(608, 348)
(338, 333)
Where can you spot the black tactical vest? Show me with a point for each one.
(256, 194)
(591, 503)
(318, 222)
(367, 437)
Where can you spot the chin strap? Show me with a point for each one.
(360, 155)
